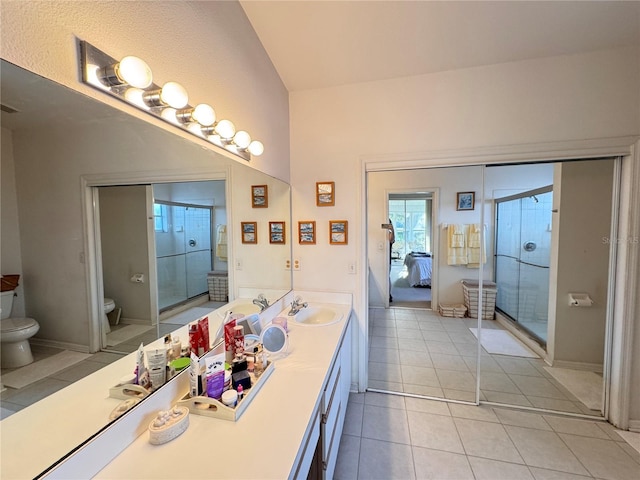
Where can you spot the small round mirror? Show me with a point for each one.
(274, 338)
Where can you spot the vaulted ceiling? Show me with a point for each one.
(320, 43)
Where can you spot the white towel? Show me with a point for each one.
(476, 252)
(221, 247)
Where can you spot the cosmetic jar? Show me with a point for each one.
(230, 398)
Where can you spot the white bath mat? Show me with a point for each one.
(35, 371)
(585, 386)
(126, 333)
(501, 342)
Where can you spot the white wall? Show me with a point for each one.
(209, 47)
(10, 257)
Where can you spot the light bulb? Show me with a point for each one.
(174, 95)
(242, 139)
(256, 148)
(225, 129)
(134, 71)
(204, 115)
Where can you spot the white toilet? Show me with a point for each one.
(14, 335)
(109, 305)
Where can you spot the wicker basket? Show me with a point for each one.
(457, 310)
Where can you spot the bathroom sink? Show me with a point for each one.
(245, 306)
(315, 316)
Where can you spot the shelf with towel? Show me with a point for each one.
(464, 244)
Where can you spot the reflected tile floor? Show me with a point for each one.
(394, 437)
(420, 352)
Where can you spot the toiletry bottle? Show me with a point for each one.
(240, 392)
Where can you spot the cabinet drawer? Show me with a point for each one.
(332, 388)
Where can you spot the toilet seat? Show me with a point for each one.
(16, 323)
(109, 303)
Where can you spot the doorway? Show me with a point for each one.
(411, 267)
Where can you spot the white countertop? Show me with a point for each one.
(266, 441)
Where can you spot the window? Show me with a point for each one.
(160, 217)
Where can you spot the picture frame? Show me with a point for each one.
(249, 232)
(325, 194)
(259, 196)
(277, 233)
(466, 201)
(307, 232)
(338, 232)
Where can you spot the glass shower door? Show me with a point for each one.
(523, 252)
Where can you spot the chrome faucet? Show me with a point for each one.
(296, 306)
(261, 301)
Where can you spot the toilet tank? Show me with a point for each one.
(6, 304)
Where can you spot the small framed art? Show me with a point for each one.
(276, 232)
(325, 194)
(338, 232)
(259, 196)
(466, 201)
(249, 232)
(307, 232)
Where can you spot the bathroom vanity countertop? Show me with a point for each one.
(268, 439)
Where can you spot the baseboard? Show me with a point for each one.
(634, 426)
(589, 367)
(135, 321)
(42, 342)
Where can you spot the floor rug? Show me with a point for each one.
(501, 342)
(125, 333)
(35, 371)
(404, 295)
(584, 385)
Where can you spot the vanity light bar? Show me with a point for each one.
(131, 81)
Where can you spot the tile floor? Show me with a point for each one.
(394, 437)
(419, 352)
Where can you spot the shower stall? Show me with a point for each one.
(523, 253)
(184, 253)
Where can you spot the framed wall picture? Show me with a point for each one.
(325, 194)
(466, 201)
(307, 232)
(249, 232)
(338, 232)
(277, 232)
(259, 196)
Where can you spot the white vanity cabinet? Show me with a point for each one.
(334, 405)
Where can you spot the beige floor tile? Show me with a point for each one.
(383, 342)
(384, 355)
(384, 332)
(387, 424)
(447, 348)
(553, 404)
(455, 380)
(575, 426)
(427, 406)
(427, 391)
(353, 419)
(348, 458)
(384, 400)
(436, 336)
(517, 366)
(461, 395)
(537, 386)
(385, 460)
(521, 419)
(407, 324)
(485, 469)
(419, 375)
(602, 458)
(434, 431)
(430, 325)
(473, 412)
(437, 465)
(384, 371)
(542, 474)
(412, 344)
(498, 382)
(387, 386)
(487, 440)
(449, 362)
(506, 398)
(408, 333)
(544, 449)
(415, 358)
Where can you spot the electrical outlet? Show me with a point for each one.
(352, 268)
(287, 264)
(296, 264)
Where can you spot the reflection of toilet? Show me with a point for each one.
(109, 305)
(14, 335)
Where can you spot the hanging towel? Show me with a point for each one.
(476, 252)
(221, 247)
(456, 245)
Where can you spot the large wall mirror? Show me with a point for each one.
(97, 203)
(547, 229)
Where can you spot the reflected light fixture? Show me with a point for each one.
(131, 81)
